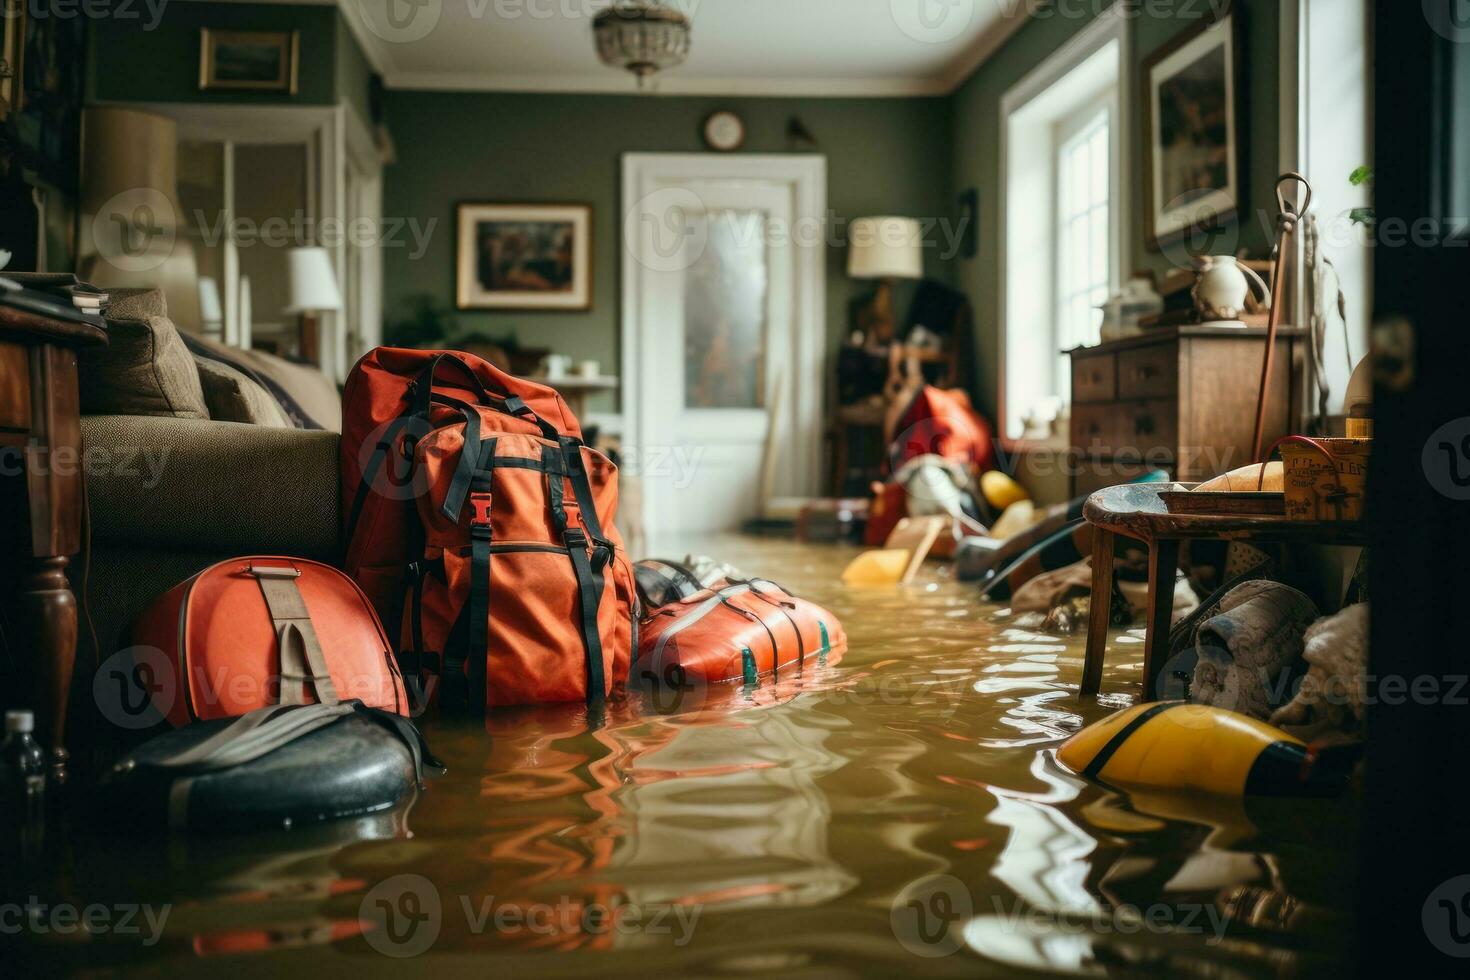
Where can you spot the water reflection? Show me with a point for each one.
(790, 817)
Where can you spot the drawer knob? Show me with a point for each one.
(1143, 425)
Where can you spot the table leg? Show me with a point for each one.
(1100, 612)
(1163, 571)
(48, 621)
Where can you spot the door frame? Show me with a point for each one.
(807, 176)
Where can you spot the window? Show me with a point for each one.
(1082, 241)
(1064, 198)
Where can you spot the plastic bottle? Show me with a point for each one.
(22, 782)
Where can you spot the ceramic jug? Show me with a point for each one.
(1222, 285)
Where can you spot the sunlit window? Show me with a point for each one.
(1082, 230)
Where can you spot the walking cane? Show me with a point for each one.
(1286, 221)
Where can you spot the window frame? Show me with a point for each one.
(1025, 283)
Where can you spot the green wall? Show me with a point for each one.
(883, 156)
(976, 125)
(133, 61)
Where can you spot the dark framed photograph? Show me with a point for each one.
(524, 257)
(1194, 135)
(265, 61)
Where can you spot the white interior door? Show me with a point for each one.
(723, 344)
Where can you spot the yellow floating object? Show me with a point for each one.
(1017, 517)
(1177, 745)
(885, 566)
(999, 490)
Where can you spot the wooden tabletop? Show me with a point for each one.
(1138, 511)
(26, 325)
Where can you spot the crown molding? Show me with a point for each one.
(667, 84)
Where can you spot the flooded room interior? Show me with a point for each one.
(708, 488)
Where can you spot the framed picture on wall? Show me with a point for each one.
(524, 257)
(1192, 173)
(265, 61)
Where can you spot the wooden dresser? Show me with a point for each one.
(1181, 399)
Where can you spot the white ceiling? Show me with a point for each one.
(738, 47)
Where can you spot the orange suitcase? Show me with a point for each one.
(738, 632)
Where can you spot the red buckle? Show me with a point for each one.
(480, 507)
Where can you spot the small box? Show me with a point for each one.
(1325, 484)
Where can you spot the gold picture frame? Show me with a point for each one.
(260, 61)
(523, 257)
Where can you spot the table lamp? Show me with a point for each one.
(884, 248)
(211, 311)
(313, 292)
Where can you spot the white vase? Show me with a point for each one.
(1221, 288)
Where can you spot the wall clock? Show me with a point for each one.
(723, 131)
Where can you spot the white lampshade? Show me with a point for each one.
(885, 247)
(211, 312)
(313, 284)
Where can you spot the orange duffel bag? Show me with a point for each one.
(253, 632)
(739, 631)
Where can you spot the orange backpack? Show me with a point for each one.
(511, 585)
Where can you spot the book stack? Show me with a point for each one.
(59, 295)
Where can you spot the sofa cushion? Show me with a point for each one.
(232, 397)
(145, 369)
(313, 392)
(135, 304)
(201, 485)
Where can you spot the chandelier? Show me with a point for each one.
(641, 37)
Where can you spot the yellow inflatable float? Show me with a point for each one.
(1177, 745)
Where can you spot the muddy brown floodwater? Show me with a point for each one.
(897, 812)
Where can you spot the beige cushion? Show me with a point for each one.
(232, 397)
(145, 369)
(135, 304)
(312, 390)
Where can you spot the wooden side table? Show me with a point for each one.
(40, 424)
(1137, 511)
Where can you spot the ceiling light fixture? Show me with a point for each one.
(641, 37)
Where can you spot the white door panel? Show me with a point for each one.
(723, 301)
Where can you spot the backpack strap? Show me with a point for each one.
(464, 471)
(587, 568)
(475, 667)
(301, 653)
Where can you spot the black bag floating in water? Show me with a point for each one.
(275, 767)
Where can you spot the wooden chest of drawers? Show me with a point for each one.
(1181, 399)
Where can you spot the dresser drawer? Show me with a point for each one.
(1094, 379)
(1148, 372)
(1147, 429)
(1095, 428)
